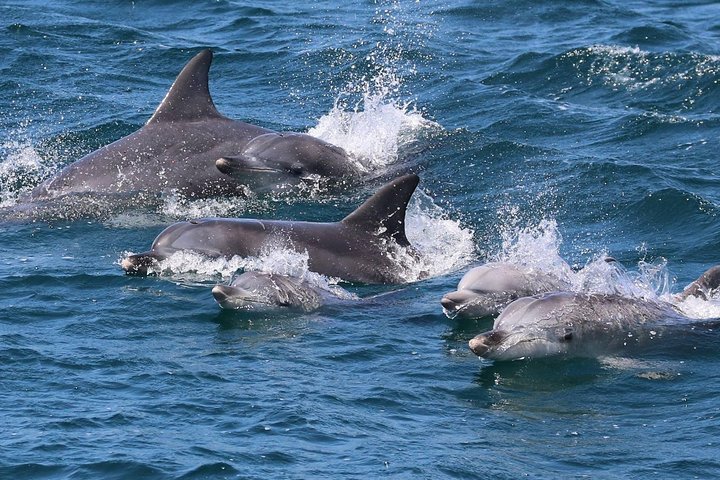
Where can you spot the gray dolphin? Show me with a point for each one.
(261, 291)
(580, 324)
(359, 248)
(179, 146)
(278, 155)
(486, 289)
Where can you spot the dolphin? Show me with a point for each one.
(582, 324)
(359, 248)
(261, 291)
(179, 150)
(486, 289)
(276, 155)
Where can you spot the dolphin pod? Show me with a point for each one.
(188, 147)
(359, 248)
(581, 324)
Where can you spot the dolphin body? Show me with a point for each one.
(583, 325)
(486, 289)
(359, 248)
(181, 150)
(253, 290)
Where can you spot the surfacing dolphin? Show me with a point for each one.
(581, 324)
(263, 291)
(486, 289)
(181, 147)
(359, 248)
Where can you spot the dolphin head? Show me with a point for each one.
(181, 236)
(530, 327)
(259, 290)
(289, 154)
(484, 290)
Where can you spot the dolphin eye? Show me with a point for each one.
(296, 169)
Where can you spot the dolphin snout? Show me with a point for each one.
(221, 293)
(448, 303)
(455, 300)
(479, 345)
(138, 264)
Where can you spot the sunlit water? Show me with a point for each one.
(547, 134)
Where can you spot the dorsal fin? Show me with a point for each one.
(189, 97)
(385, 211)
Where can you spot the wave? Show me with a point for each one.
(619, 76)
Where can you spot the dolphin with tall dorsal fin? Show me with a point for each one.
(181, 147)
(359, 248)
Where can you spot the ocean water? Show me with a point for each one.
(547, 133)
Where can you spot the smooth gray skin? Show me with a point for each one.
(486, 289)
(572, 324)
(263, 291)
(355, 249)
(281, 154)
(177, 150)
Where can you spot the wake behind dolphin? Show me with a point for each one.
(189, 148)
(362, 247)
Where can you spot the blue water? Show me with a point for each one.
(590, 127)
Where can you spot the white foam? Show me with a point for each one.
(538, 247)
(375, 132)
(20, 170)
(181, 208)
(443, 244)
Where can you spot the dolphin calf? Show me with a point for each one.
(486, 289)
(181, 147)
(581, 324)
(359, 248)
(261, 291)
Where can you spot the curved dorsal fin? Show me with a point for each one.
(189, 96)
(384, 212)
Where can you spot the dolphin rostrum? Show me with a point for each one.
(181, 147)
(359, 248)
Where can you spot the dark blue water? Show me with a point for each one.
(539, 130)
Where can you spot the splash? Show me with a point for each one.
(378, 132)
(21, 169)
(698, 308)
(181, 208)
(538, 248)
(442, 244)
(192, 269)
(369, 119)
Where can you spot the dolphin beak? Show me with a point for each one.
(478, 345)
(139, 264)
(485, 344)
(463, 304)
(221, 293)
(453, 301)
(241, 164)
(233, 298)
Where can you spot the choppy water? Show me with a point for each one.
(541, 131)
